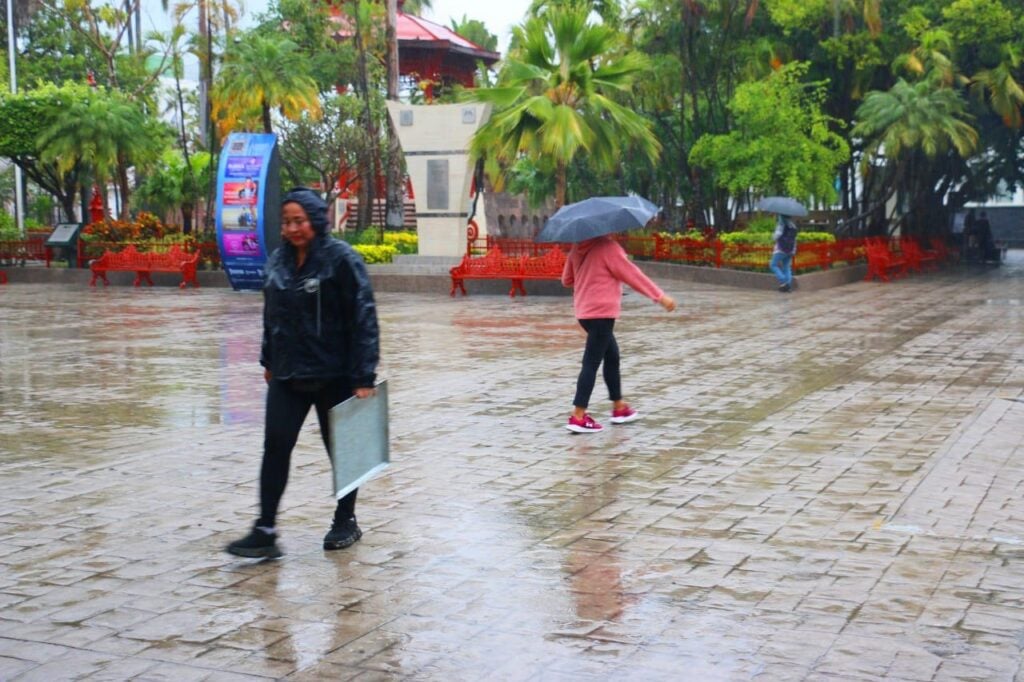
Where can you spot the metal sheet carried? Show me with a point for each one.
(359, 440)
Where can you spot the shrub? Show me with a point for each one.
(144, 226)
(405, 242)
(9, 227)
(815, 237)
(690, 234)
(376, 253)
(747, 238)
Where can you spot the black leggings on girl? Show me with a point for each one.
(288, 403)
(601, 347)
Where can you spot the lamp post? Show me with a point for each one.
(19, 209)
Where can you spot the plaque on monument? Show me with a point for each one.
(437, 184)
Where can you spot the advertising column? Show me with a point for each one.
(248, 206)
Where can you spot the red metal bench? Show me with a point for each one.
(547, 266)
(882, 261)
(918, 258)
(144, 264)
(496, 265)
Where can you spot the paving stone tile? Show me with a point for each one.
(824, 486)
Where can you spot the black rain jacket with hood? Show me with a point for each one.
(320, 320)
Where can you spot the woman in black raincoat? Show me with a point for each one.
(320, 347)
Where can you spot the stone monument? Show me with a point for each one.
(435, 140)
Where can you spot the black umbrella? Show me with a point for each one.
(783, 206)
(595, 217)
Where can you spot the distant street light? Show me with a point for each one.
(19, 209)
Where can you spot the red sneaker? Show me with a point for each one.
(624, 414)
(586, 424)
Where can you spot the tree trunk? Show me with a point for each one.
(395, 217)
(206, 75)
(367, 166)
(561, 173)
(267, 127)
(186, 217)
(123, 187)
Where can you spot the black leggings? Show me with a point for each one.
(287, 408)
(601, 346)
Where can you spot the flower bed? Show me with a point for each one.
(147, 234)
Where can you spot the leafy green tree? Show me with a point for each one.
(558, 96)
(108, 134)
(105, 29)
(781, 142)
(415, 6)
(23, 118)
(53, 51)
(319, 151)
(262, 73)
(311, 26)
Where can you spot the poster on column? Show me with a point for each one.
(248, 191)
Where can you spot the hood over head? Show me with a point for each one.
(312, 204)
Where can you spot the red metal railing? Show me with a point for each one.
(12, 251)
(701, 252)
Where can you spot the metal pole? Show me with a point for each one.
(19, 209)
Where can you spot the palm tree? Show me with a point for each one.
(261, 73)
(930, 59)
(915, 117)
(174, 184)
(106, 133)
(1004, 92)
(555, 98)
(913, 126)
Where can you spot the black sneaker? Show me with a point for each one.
(785, 288)
(342, 534)
(258, 544)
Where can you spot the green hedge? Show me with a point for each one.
(765, 238)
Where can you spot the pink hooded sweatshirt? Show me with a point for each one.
(596, 269)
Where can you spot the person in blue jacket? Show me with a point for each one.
(320, 347)
(784, 252)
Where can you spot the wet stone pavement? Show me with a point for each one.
(825, 486)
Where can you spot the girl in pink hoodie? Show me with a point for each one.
(596, 269)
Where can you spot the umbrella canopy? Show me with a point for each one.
(596, 217)
(782, 205)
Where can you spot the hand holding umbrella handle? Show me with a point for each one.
(667, 302)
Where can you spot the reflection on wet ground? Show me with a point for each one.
(824, 486)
